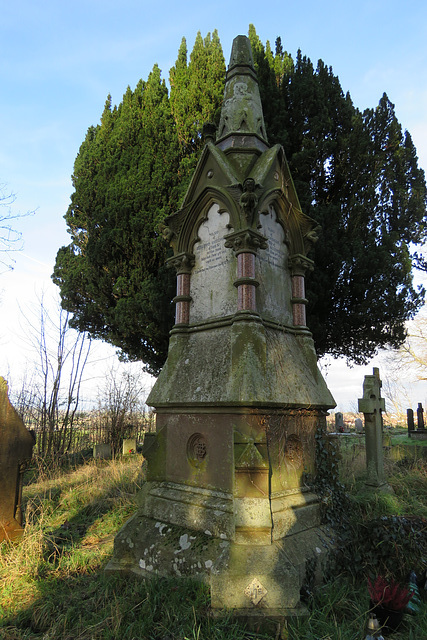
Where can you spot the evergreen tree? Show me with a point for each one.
(197, 90)
(355, 173)
(112, 275)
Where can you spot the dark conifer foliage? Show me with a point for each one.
(131, 171)
(355, 172)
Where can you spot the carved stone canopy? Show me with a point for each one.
(243, 176)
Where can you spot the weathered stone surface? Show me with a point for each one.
(339, 421)
(129, 446)
(212, 291)
(147, 546)
(250, 363)
(358, 425)
(372, 405)
(16, 445)
(102, 450)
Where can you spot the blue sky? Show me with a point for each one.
(60, 60)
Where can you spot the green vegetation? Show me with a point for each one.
(356, 173)
(52, 583)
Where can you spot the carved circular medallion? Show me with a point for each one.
(294, 454)
(197, 449)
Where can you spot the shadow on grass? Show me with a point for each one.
(108, 607)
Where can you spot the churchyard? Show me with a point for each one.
(242, 515)
(53, 583)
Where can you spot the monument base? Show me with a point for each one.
(420, 434)
(251, 580)
(382, 487)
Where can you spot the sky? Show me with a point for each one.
(60, 60)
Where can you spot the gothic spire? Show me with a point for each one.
(242, 120)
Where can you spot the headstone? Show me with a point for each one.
(339, 422)
(16, 446)
(372, 406)
(102, 451)
(410, 420)
(420, 417)
(129, 446)
(240, 397)
(358, 425)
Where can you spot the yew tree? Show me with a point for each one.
(355, 172)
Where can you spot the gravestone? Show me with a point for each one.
(102, 451)
(420, 417)
(240, 397)
(372, 406)
(339, 422)
(358, 425)
(420, 433)
(410, 420)
(16, 446)
(129, 446)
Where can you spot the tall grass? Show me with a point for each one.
(52, 584)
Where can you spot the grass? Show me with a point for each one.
(52, 584)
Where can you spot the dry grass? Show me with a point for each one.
(52, 584)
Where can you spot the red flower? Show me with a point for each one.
(391, 595)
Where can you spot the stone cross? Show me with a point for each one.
(420, 417)
(16, 445)
(372, 406)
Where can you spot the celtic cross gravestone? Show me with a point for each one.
(372, 405)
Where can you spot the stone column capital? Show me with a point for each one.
(245, 241)
(182, 262)
(300, 264)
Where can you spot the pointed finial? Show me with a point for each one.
(241, 113)
(241, 55)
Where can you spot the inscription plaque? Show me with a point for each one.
(211, 287)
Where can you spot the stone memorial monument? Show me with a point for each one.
(102, 451)
(372, 406)
(419, 433)
(16, 446)
(129, 446)
(240, 396)
(410, 421)
(339, 422)
(420, 417)
(358, 425)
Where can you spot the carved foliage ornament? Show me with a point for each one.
(197, 449)
(245, 241)
(182, 262)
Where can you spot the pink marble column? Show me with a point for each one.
(182, 309)
(298, 301)
(246, 300)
